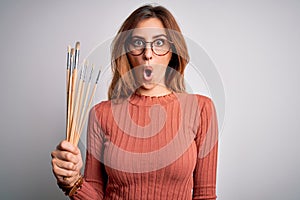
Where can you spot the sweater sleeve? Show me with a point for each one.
(95, 177)
(207, 148)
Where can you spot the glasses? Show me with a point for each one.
(136, 46)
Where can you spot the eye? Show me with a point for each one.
(159, 42)
(138, 42)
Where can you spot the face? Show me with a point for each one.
(149, 67)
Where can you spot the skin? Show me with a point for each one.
(66, 163)
(66, 158)
(148, 29)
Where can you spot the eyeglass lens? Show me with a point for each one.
(136, 46)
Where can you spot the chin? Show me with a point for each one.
(148, 86)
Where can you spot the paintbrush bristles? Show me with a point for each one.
(78, 94)
(76, 58)
(97, 79)
(77, 46)
(69, 58)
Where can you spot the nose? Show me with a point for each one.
(148, 53)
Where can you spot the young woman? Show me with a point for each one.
(150, 140)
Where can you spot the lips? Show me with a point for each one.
(148, 73)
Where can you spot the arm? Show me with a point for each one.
(95, 177)
(207, 148)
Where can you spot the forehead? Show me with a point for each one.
(148, 28)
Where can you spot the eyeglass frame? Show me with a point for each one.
(151, 45)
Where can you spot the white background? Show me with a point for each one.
(255, 46)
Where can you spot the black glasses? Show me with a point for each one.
(136, 46)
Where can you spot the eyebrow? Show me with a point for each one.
(154, 37)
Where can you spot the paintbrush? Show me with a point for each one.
(74, 81)
(87, 108)
(82, 92)
(67, 88)
(85, 99)
(70, 86)
(77, 105)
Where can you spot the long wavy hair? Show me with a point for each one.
(123, 83)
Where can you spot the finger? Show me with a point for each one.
(78, 165)
(64, 164)
(65, 156)
(67, 146)
(61, 172)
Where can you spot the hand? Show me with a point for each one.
(66, 163)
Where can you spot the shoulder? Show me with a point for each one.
(203, 105)
(204, 101)
(99, 108)
(201, 99)
(105, 106)
(102, 105)
(206, 106)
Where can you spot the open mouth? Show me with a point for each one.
(148, 73)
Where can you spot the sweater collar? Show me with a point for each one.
(143, 100)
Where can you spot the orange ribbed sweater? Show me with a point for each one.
(156, 148)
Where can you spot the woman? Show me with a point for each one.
(150, 140)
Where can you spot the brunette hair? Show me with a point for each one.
(123, 84)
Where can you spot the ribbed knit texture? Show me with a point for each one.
(151, 148)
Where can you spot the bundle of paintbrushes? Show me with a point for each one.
(79, 96)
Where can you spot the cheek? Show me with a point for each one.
(134, 60)
(166, 59)
(138, 60)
